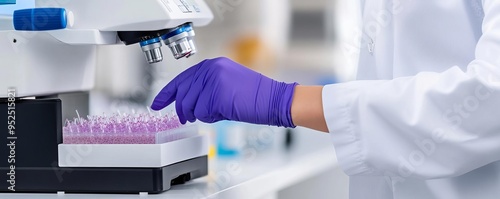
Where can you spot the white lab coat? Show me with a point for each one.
(423, 121)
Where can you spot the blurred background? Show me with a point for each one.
(288, 40)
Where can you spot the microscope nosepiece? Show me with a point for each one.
(152, 50)
(191, 43)
(180, 41)
(180, 47)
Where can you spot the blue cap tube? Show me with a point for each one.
(37, 19)
(2, 2)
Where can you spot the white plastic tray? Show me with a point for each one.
(132, 155)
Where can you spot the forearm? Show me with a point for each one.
(307, 108)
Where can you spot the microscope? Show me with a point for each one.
(48, 53)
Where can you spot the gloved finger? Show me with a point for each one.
(190, 101)
(167, 95)
(202, 113)
(181, 93)
(204, 108)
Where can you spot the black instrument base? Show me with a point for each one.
(107, 180)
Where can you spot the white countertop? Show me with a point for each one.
(249, 176)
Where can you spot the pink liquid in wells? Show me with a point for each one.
(116, 129)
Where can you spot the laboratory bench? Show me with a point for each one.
(307, 169)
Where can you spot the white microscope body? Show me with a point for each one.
(46, 62)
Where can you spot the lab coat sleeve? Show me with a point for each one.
(431, 125)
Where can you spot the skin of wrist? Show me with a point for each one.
(307, 107)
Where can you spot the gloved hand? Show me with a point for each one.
(220, 89)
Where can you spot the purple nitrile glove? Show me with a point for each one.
(220, 89)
